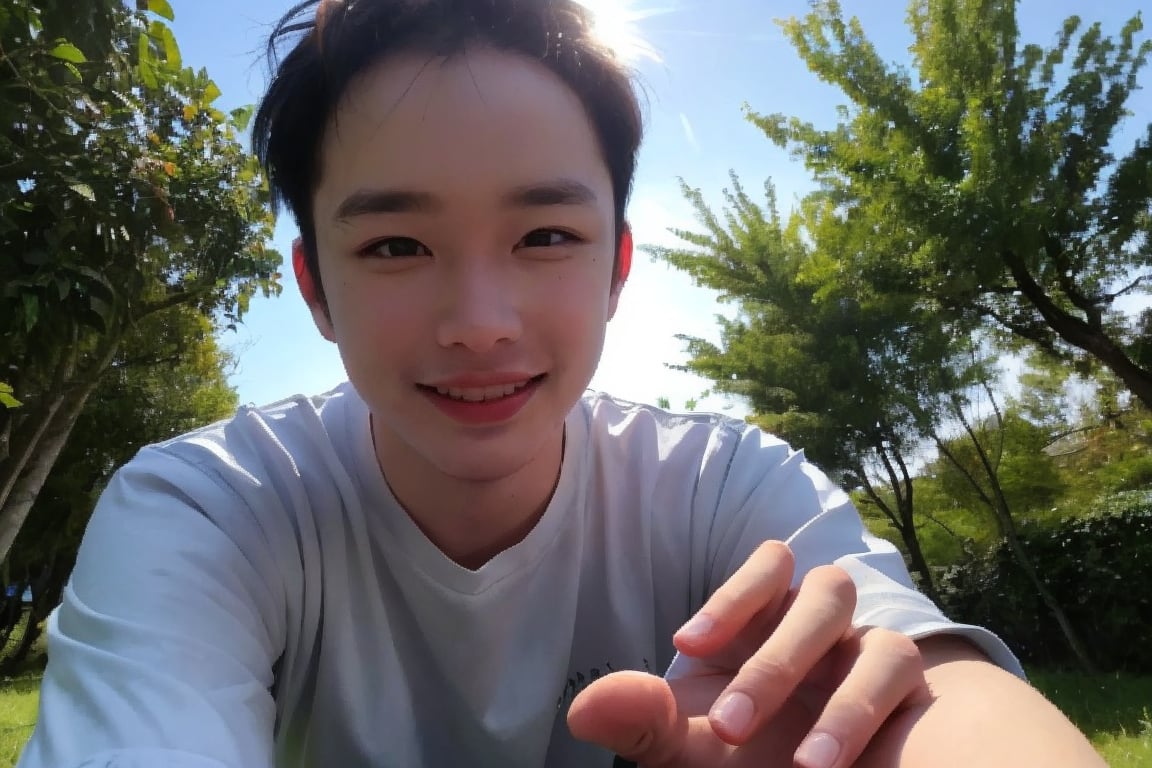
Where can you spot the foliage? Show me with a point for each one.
(1029, 477)
(169, 377)
(127, 193)
(1096, 565)
(996, 159)
(835, 358)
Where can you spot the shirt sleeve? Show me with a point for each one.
(770, 492)
(161, 653)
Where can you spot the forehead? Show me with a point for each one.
(469, 124)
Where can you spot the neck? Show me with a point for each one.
(470, 521)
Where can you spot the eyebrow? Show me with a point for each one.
(557, 192)
(542, 195)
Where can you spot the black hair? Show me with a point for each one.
(337, 40)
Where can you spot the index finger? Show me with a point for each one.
(759, 587)
(815, 623)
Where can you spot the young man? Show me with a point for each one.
(459, 558)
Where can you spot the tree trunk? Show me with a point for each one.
(15, 506)
(45, 596)
(919, 563)
(26, 440)
(912, 537)
(23, 495)
(902, 521)
(1006, 525)
(10, 614)
(1079, 648)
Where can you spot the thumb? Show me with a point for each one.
(632, 714)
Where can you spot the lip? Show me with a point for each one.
(483, 412)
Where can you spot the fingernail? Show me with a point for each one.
(819, 750)
(733, 714)
(697, 627)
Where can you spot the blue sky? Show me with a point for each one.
(715, 55)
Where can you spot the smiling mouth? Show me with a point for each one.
(482, 394)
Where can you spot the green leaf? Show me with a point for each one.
(65, 51)
(211, 93)
(145, 64)
(171, 49)
(6, 398)
(148, 75)
(31, 309)
(241, 116)
(162, 8)
(84, 191)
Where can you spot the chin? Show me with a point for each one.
(485, 466)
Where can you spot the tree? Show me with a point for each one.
(998, 160)
(840, 363)
(168, 377)
(127, 194)
(984, 456)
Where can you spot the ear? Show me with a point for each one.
(625, 260)
(623, 269)
(308, 290)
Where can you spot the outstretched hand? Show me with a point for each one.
(780, 678)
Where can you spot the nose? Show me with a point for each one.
(478, 308)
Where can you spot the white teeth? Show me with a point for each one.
(480, 394)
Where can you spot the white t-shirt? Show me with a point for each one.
(252, 595)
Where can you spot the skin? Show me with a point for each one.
(886, 701)
(474, 296)
(436, 265)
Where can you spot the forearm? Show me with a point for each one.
(979, 715)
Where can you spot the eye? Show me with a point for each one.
(395, 248)
(547, 238)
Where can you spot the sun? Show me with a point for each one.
(615, 23)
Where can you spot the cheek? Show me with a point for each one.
(579, 294)
(575, 310)
(372, 313)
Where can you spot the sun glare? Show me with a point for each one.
(616, 25)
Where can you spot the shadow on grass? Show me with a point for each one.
(29, 683)
(1104, 703)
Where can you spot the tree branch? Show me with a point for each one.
(1080, 334)
(1110, 297)
(879, 502)
(1059, 256)
(1036, 335)
(152, 307)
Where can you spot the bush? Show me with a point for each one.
(1098, 567)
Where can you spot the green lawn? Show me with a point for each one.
(18, 700)
(1115, 712)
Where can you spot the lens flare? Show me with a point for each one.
(616, 24)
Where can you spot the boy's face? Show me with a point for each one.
(465, 231)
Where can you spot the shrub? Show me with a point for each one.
(1098, 567)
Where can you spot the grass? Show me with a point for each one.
(18, 701)
(1115, 712)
